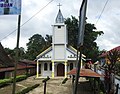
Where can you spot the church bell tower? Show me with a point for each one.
(59, 38)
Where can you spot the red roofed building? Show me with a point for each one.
(7, 66)
(103, 56)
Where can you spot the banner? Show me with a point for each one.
(10, 7)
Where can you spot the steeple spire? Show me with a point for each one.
(59, 18)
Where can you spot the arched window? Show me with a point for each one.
(50, 66)
(71, 66)
(45, 66)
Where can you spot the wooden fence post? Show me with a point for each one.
(44, 81)
(117, 87)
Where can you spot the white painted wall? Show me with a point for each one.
(59, 52)
(45, 73)
(59, 35)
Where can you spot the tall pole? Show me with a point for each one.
(82, 17)
(17, 52)
(78, 70)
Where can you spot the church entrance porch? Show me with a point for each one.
(60, 69)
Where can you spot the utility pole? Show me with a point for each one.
(17, 57)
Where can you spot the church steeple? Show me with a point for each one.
(59, 18)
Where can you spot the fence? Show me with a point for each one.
(117, 81)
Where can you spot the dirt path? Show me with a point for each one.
(54, 86)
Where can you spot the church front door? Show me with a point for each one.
(60, 69)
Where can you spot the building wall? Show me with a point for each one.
(9, 74)
(48, 72)
(68, 66)
(59, 52)
(59, 34)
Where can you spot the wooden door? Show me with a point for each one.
(60, 69)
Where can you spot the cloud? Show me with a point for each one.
(41, 23)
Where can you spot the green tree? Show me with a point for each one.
(12, 52)
(72, 28)
(90, 48)
(35, 46)
(48, 40)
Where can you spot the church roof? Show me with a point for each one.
(47, 54)
(59, 18)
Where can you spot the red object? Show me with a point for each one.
(85, 73)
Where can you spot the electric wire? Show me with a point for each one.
(27, 20)
(102, 12)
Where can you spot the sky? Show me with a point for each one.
(109, 21)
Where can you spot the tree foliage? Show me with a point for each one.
(90, 48)
(72, 28)
(12, 52)
(113, 57)
(36, 45)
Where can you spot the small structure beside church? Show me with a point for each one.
(60, 58)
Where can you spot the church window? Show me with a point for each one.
(50, 66)
(59, 26)
(71, 66)
(45, 66)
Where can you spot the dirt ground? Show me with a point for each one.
(54, 86)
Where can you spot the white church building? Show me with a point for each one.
(60, 58)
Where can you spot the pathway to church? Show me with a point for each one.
(54, 86)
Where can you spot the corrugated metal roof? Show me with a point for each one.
(19, 67)
(85, 73)
(104, 54)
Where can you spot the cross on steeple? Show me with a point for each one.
(59, 5)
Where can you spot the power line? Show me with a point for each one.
(102, 12)
(28, 20)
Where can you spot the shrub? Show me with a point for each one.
(20, 78)
(5, 82)
(26, 90)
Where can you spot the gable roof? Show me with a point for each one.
(5, 61)
(47, 54)
(105, 54)
(44, 52)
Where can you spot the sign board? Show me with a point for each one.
(82, 17)
(10, 7)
